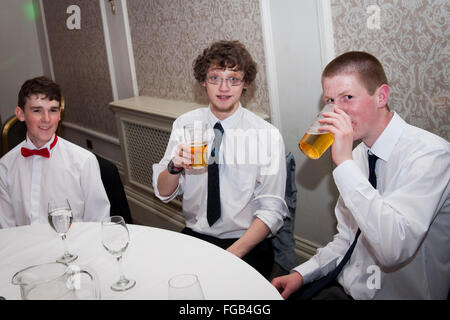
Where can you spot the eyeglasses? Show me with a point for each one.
(218, 80)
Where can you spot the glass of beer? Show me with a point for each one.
(196, 137)
(314, 143)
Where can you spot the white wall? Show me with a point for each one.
(20, 54)
(298, 63)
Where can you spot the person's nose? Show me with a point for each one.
(340, 106)
(45, 117)
(224, 85)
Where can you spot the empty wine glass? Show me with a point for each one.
(185, 287)
(60, 218)
(115, 239)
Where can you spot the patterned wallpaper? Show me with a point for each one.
(80, 64)
(167, 36)
(412, 43)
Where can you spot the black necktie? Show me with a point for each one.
(372, 176)
(315, 287)
(213, 201)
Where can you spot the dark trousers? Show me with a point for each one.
(333, 291)
(260, 258)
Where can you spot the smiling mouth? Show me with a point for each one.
(220, 97)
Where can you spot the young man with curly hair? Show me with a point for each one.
(247, 203)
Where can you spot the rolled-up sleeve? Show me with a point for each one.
(157, 169)
(174, 140)
(271, 185)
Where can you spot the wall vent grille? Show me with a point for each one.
(145, 146)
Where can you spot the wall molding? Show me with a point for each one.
(92, 133)
(112, 72)
(126, 24)
(304, 248)
(170, 213)
(48, 54)
(271, 68)
(326, 32)
(104, 145)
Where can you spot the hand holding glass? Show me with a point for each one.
(314, 143)
(115, 239)
(60, 218)
(196, 137)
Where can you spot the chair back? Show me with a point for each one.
(15, 131)
(63, 105)
(114, 189)
(284, 242)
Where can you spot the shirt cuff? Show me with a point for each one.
(271, 220)
(272, 210)
(347, 177)
(309, 270)
(157, 169)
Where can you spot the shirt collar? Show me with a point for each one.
(29, 144)
(385, 144)
(228, 123)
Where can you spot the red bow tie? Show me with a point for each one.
(40, 152)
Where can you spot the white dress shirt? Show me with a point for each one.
(28, 183)
(252, 174)
(403, 251)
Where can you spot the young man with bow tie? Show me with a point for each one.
(393, 213)
(237, 205)
(46, 167)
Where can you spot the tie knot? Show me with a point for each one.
(218, 132)
(372, 176)
(372, 159)
(218, 126)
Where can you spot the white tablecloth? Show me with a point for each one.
(152, 258)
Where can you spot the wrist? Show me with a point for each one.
(173, 169)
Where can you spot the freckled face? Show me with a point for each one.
(352, 97)
(41, 117)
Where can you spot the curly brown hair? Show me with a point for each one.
(39, 85)
(225, 55)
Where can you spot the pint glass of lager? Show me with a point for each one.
(314, 143)
(196, 137)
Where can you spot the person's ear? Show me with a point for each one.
(383, 95)
(18, 111)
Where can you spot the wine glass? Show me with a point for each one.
(185, 287)
(60, 218)
(115, 239)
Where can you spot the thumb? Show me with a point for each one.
(286, 293)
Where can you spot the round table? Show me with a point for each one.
(152, 258)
